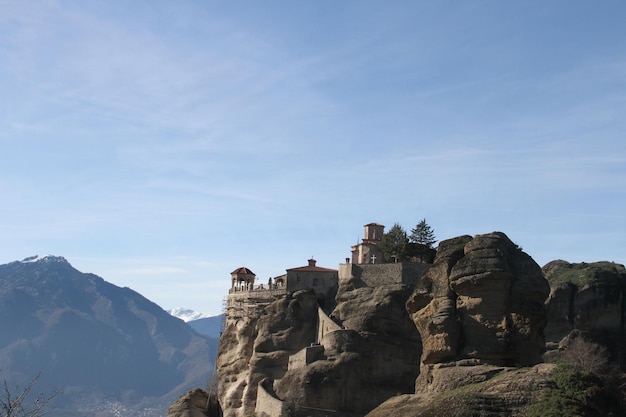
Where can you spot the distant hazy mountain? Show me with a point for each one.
(103, 344)
(201, 322)
(208, 326)
(187, 315)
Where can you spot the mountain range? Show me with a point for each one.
(203, 323)
(106, 347)
(187, 315)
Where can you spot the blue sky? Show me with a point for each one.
(163, 144)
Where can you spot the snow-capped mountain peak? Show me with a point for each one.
(43, 258)
(187, 315)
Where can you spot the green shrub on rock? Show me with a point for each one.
(575, 394)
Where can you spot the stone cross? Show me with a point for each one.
(373, 259)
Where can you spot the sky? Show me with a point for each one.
(161, 145)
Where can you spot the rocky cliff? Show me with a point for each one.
(481, 301)
(254, 348)
(475, 390)
(584, 296)
(194, 403)
(466, 340)
(481, 316)
(374, 356)
(586, 299)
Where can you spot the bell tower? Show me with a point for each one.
(242, 279)
(367, 251)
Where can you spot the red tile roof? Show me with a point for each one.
(243, 270)
(309, 268)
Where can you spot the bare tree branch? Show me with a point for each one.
(19, 402)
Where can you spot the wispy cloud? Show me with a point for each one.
(153, 272)
(137, 134)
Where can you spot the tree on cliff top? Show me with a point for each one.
(394, 244)
(421, 242)
(423, 234)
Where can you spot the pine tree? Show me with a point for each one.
(421, 242)
(394, 244)
(423, 234)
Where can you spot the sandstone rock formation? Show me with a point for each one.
(482, 390)
(467, 339)
(588, 297)
(375, 358)
(255, 348)
(375, 355)
(193, 404)
(481, 300)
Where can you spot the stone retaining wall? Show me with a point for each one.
(374, 275)
(325, 324)
(306, 356)
(267, 405)
(250, 304)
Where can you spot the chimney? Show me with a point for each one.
(312, 262)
